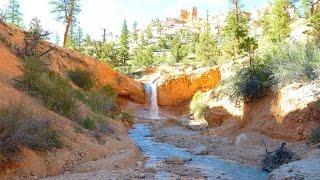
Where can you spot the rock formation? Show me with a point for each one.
(175, 89)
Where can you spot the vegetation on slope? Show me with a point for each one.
(21, 127)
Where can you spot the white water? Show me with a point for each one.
(151, 90)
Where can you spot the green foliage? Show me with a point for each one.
(235, 30)
(89, 123)
(135, 35)
(13, 14)
(276, 22)
(249, 45)
(143, 56)
(106, 52)
(124, 44)
(75, 38)
(127, 117)
(19, 128)
(82, 78)
(315, 23)
(49, 86)
(178, 51)
(198, 104)
(292, 63)
(315, 136)
(206, 48)
(63, 8)
(251, 83)
(103, 101)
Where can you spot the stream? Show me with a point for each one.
(210, 166)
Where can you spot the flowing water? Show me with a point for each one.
(151, 90)
(212, 167)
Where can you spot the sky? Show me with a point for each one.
(99, 14)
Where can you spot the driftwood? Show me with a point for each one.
(277, 158)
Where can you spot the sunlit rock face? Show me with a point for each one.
(175, 89)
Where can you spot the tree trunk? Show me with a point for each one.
(66, 33)
(69, 21)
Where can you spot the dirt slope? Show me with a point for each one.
(61, 60)
(79, 146)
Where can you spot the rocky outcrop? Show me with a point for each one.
(62, 60)
(175, 89)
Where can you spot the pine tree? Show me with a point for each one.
(124, 44)
(13, 14)
(159, 27)
(206, 48)
(149, 32)
(276, 23)
(178, 51)
(249, 45)
(135, 32)
(235, 30)
(66, 11)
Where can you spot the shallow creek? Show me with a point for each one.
(210, 167)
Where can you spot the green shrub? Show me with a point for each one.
(251, 83)
(127, 117)
(198, 104)
(18, 128)
(89, 123)
(292, 63)
(81, 78)
(315, 136)
(102, 101)
(49, 86)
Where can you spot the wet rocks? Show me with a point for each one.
(201, 150)
(175, 160)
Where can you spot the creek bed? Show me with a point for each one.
(211, 167)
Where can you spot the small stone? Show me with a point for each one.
(151, 170)
(175, 160)
(140, 176)
(139, 163)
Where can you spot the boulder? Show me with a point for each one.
(175, 89)
(304, 169)
(197, 125)
(241, 139)
(201, 150)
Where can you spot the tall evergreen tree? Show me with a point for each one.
(66, 11)
(135, 35)
(276, 23)
(235, 30)
(124, 44)
(206, 48)
(13, 14)
(178, 51)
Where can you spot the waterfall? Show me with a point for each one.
(151, 90)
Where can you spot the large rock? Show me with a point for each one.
(175, 89)
(304, 169)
